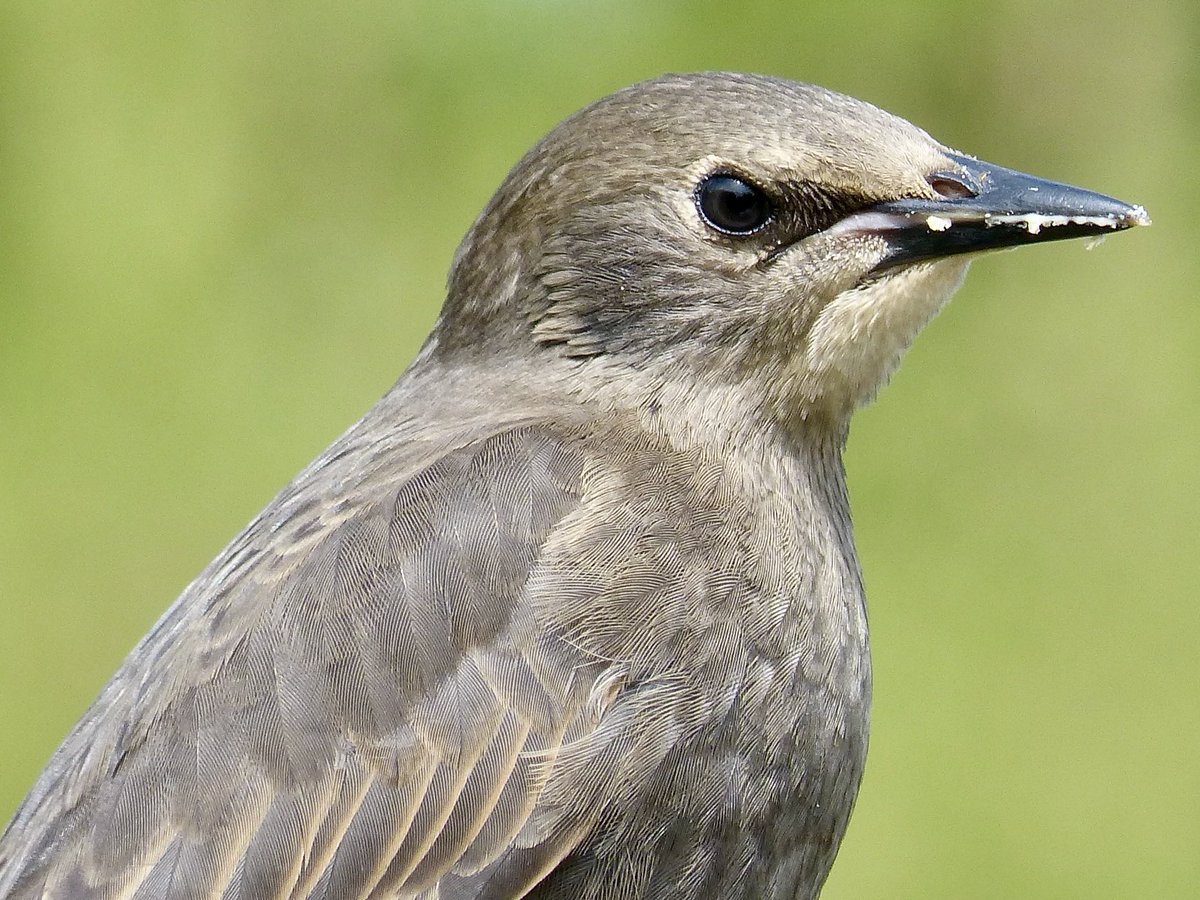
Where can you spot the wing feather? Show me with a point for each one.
(426, 671)
(356, 700)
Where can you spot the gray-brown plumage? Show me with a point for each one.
(574, 611)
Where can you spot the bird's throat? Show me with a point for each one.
(857, 340)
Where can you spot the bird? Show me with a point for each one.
(574, 611)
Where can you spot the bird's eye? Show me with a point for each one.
(732, 205)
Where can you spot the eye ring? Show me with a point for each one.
(732, 205)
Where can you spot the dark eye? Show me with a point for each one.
(732, 205)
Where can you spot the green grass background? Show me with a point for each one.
(224, 230)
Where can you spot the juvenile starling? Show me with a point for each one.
(574, 611)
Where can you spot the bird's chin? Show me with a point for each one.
(859, 337)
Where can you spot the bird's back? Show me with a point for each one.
(461, 660)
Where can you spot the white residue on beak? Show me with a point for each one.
(1034, 222)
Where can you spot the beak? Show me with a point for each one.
(987, 207)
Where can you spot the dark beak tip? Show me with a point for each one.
(1080, 207)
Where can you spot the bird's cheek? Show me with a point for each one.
(827, 264)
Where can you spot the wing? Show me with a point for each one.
(358, 698)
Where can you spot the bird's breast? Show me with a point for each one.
(732, 604)
(807, 694)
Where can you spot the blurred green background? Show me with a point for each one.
(224, 230)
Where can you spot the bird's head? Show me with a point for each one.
(744, 231)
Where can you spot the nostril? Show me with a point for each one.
(951, 187)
